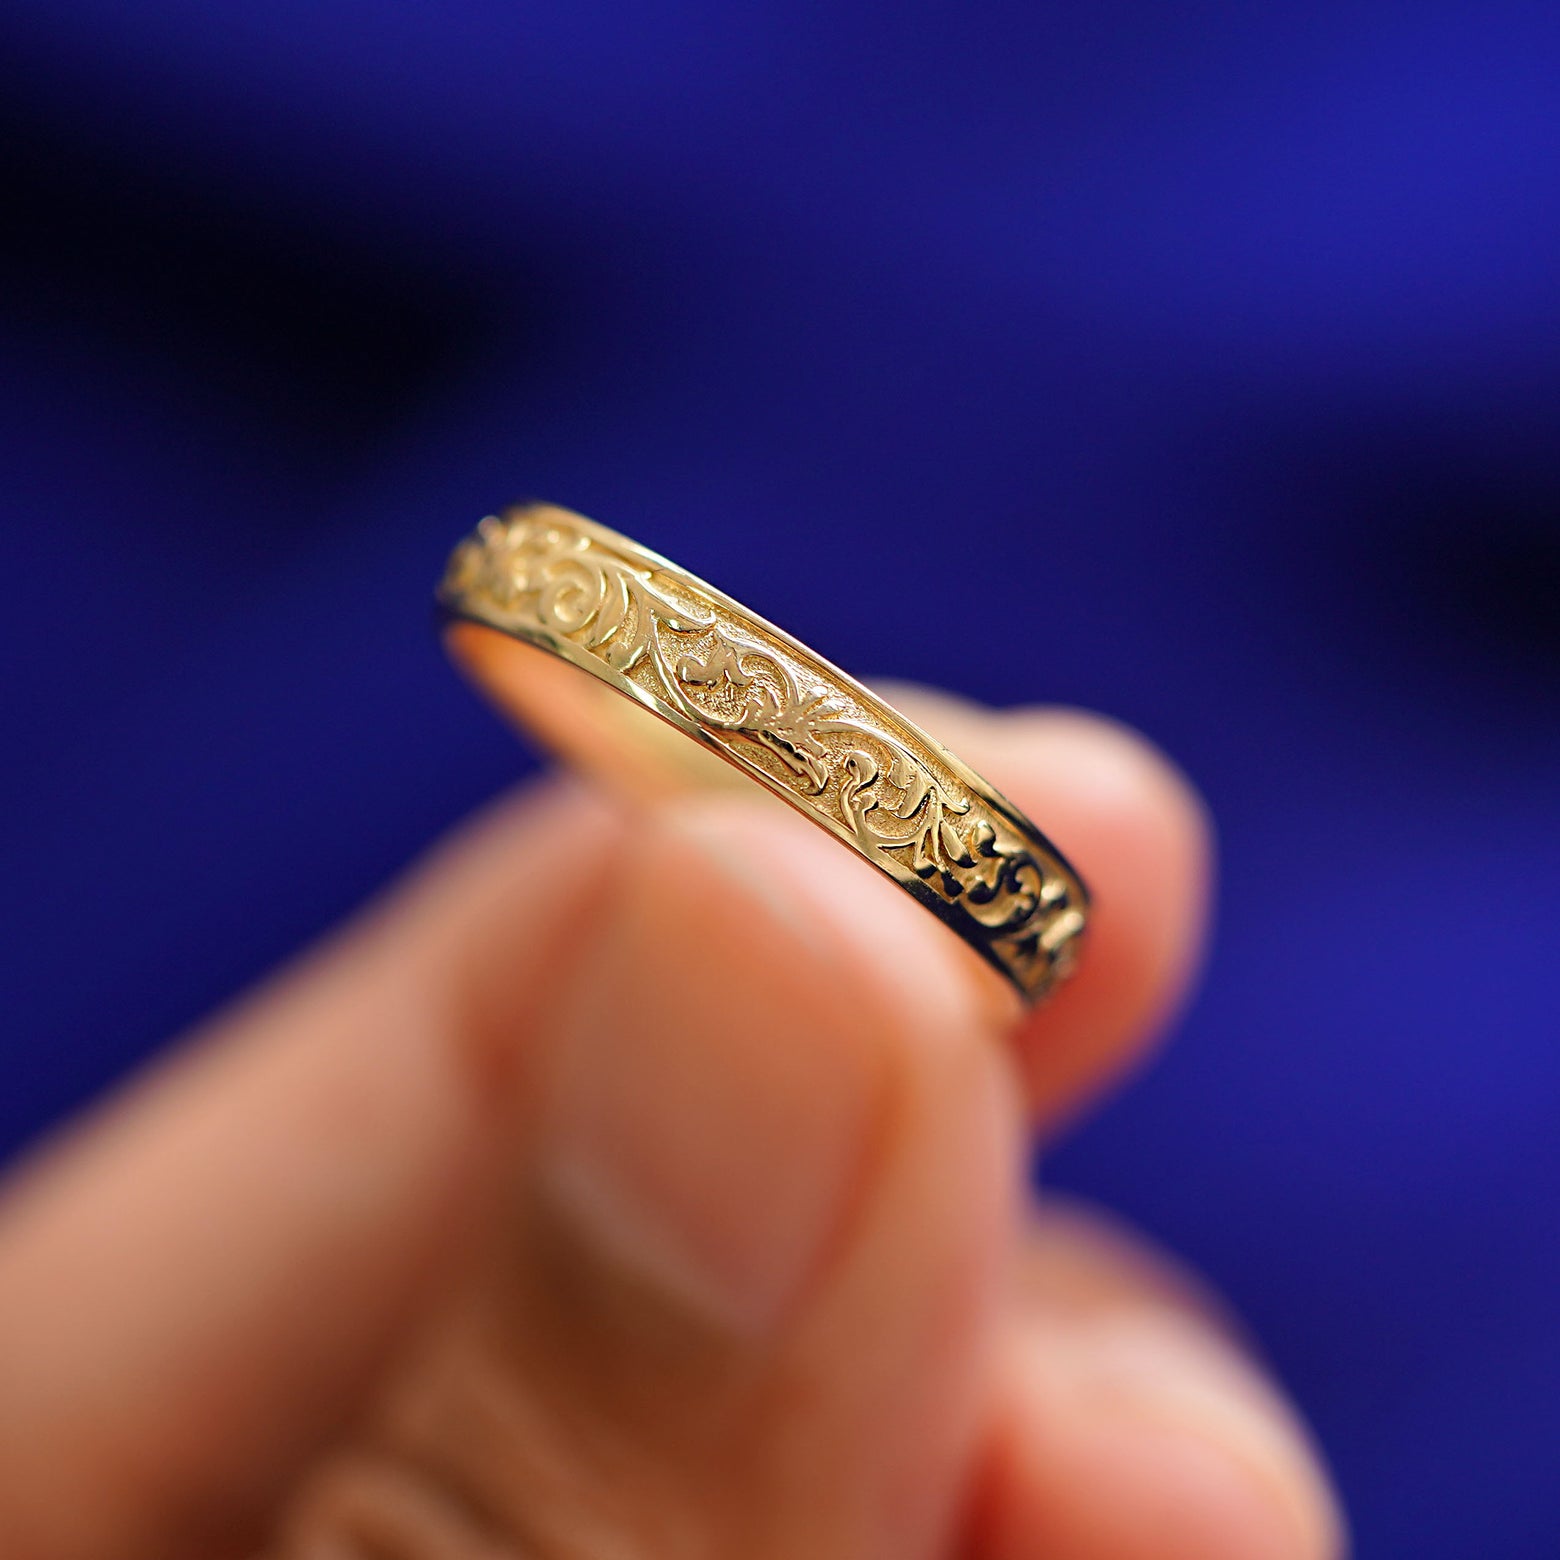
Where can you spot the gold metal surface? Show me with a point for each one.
(537, 594)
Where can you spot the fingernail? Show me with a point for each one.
(1198, 1422)
(720, 1074)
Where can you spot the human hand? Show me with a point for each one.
(648, 1187)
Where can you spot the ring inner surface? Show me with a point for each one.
(586, 723)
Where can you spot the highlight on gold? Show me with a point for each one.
(538, 593)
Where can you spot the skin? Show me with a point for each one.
(649, 1184)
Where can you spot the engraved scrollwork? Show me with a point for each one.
(576, 589)
(535, 571)
(554, 576)
(774, 711)
(1000, 884)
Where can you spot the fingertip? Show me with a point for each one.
(738, 1037)
(911, 970)
(1123, 765)
(1142, 837)
(486, 932)
(1134, 825)
(1142, 1436)
(757, 1244)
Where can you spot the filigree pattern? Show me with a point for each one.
(795, 722)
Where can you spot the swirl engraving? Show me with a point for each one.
(775, 711)
(547, 575)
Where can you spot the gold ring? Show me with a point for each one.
(537, 578)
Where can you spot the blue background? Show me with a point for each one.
(1199, 362)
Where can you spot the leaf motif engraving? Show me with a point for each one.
(534, 572)
(556, 578)
(1002, 886)
(774, 711)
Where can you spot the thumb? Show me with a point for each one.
(739, 1302)
(631, 1183)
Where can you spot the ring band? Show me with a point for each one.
(537, 578)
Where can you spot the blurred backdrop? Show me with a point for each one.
(1201, 362)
